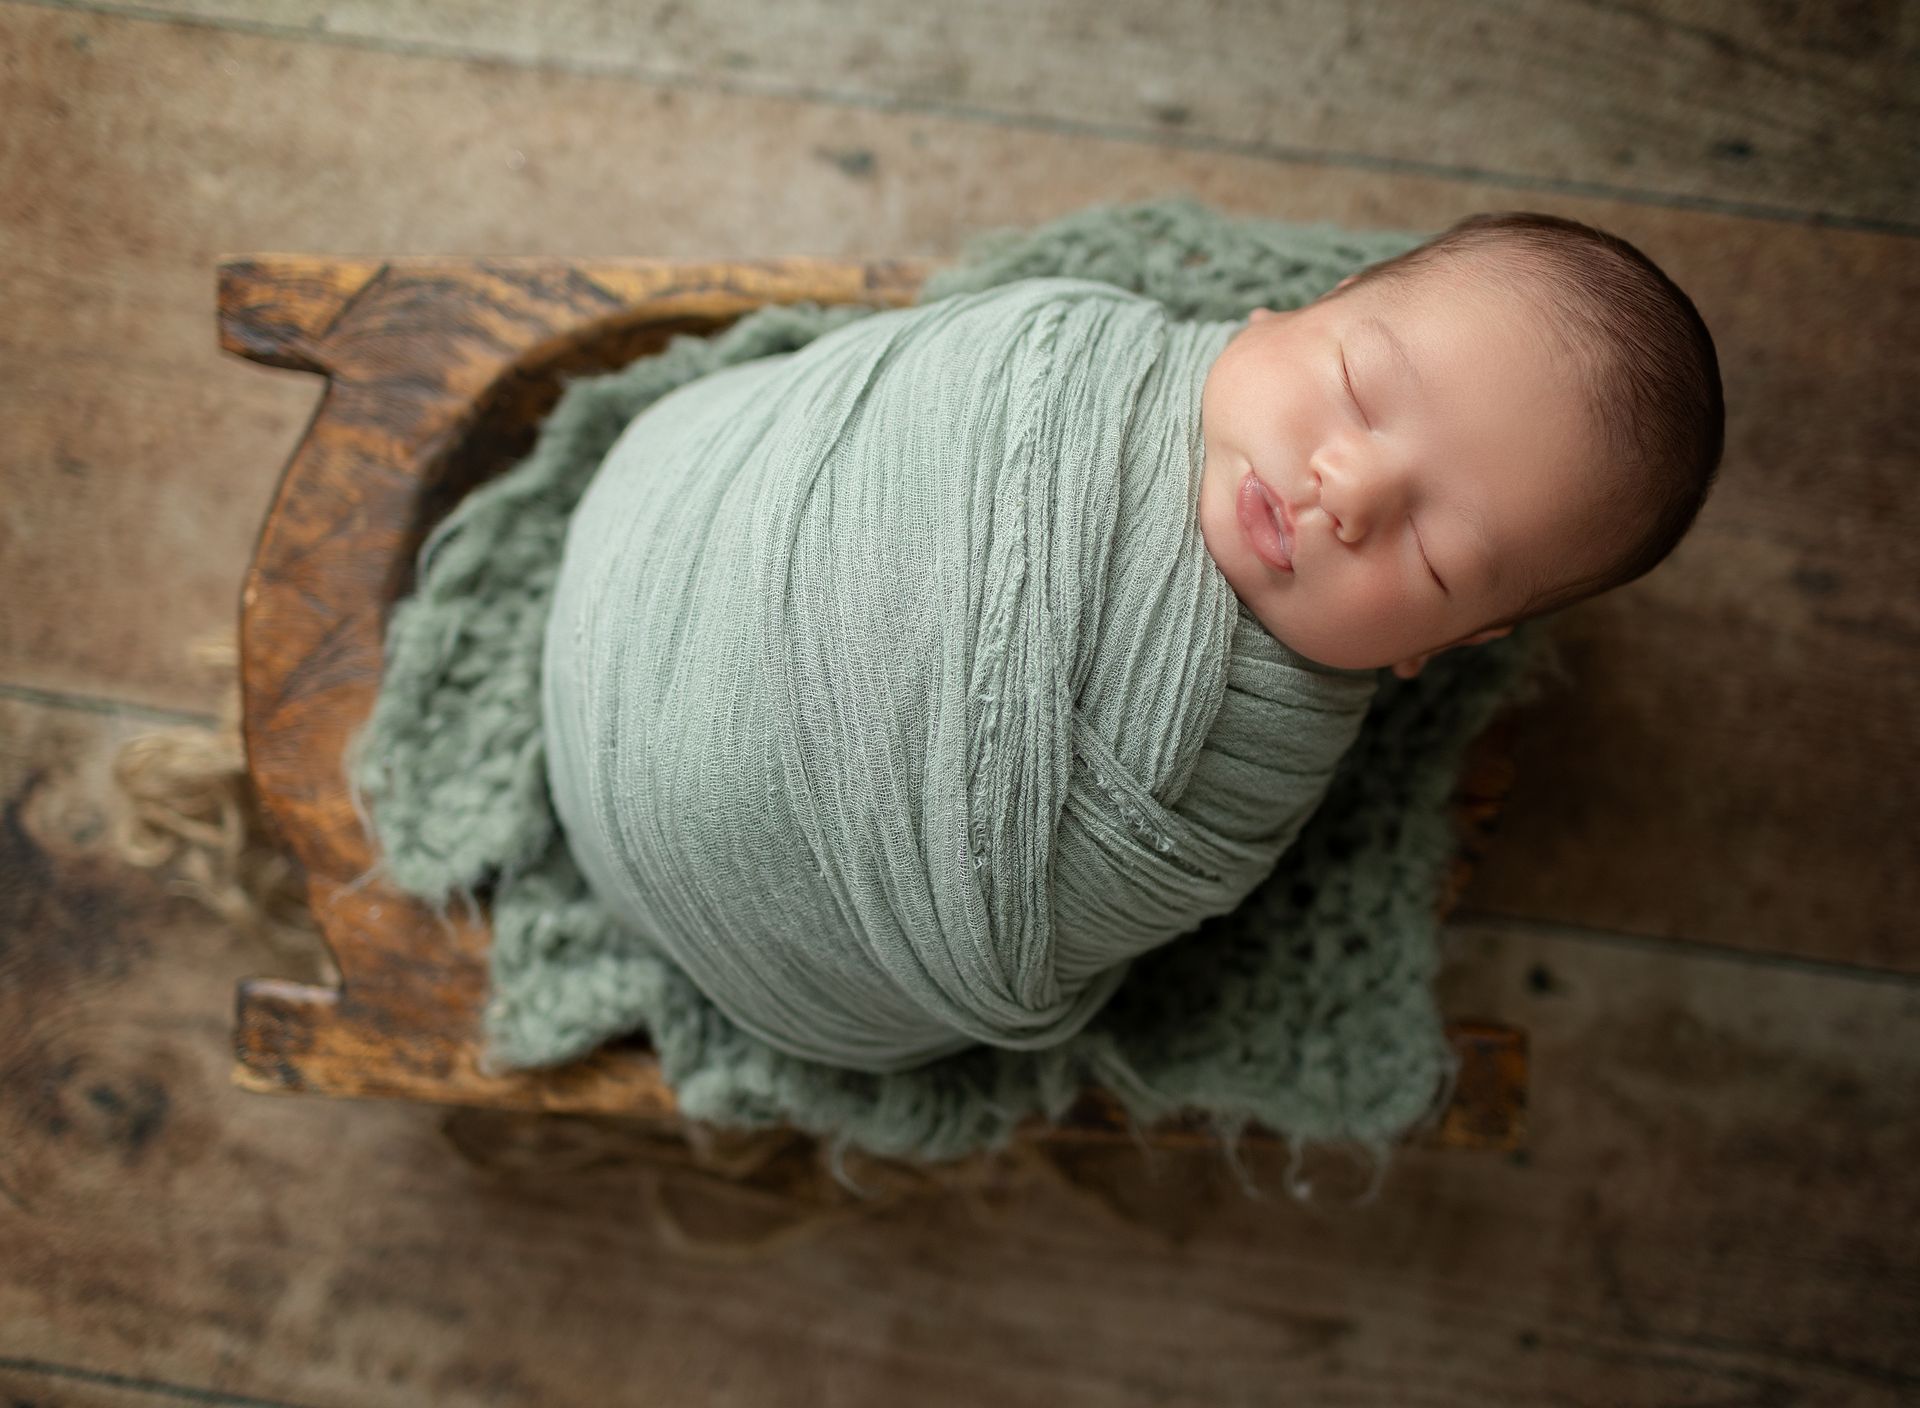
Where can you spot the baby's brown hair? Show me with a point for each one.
(1641, 353)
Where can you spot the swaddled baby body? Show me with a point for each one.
(905, 687)
(890, 689)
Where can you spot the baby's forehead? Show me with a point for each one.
(1493, 289)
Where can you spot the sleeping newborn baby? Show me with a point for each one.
(904, 687)
(1452, 442)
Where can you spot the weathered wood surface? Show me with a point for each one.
(1730, 770)
(1718, 1204)
(1786, 108)
(439, 371)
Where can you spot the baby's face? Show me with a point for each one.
(1423, 494)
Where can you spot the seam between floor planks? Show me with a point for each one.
(105, 1378)
(104, 704)
(1498, 921)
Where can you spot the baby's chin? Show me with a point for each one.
(1313, 645)
(1271, 604)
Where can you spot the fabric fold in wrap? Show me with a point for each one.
(889, 686)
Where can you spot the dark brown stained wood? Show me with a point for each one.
(439, 370)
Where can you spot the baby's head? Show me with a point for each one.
(1521, 413)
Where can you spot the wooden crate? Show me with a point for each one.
(438, 372)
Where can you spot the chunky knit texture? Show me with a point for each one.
(1308, 1009)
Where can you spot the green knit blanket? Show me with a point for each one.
(1305, 1005)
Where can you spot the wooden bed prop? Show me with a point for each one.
(438, 371)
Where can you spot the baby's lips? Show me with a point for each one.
(1260, 521)
(1282, 518)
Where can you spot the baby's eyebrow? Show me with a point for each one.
(1397, 347)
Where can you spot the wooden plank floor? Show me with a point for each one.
(1699, 904)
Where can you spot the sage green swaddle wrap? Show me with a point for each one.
(889, 686)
